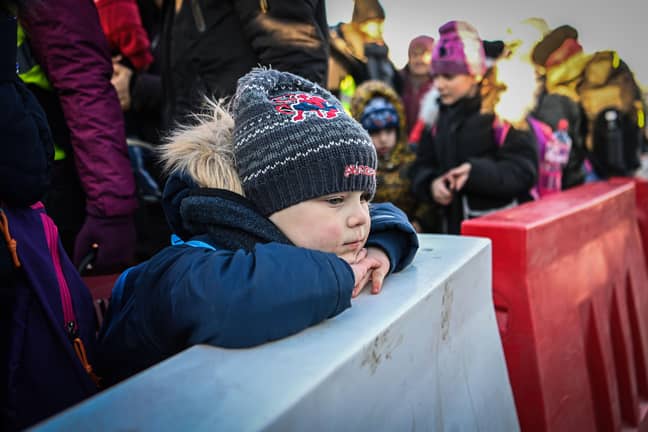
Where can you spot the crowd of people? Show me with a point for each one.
(210, 152)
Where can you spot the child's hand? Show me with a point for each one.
(378, 274)
(459, 176)
(370, 264)
(441, 190)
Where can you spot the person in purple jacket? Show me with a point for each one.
(93, 191)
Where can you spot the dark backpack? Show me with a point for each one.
(48, 324)
(613, 105)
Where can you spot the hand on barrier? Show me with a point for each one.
(371, 264)
(115, 240)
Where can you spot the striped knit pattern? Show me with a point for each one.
(294, 142)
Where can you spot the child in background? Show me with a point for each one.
(266, 247)
(460, 167)
(380, 111)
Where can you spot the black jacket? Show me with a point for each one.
(498, 175)
(27, 146)
(207, 45)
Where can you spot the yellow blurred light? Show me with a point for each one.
(373, 28)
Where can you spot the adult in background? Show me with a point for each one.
(359, 52)
(64, 57)
(416, 76)
(207, 45)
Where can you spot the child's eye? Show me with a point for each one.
(336, 200)
(366, 197)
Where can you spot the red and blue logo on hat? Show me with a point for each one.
(298, 104)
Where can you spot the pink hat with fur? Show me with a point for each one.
(459, 50)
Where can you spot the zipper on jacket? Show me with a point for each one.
(51, 234)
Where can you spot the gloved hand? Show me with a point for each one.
(115, 238)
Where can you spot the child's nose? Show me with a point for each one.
(359, 215)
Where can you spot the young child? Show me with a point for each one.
(380, 111)
(460, 166)
(288, 255)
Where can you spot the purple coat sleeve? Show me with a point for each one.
(67, 41)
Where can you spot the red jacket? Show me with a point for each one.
(122, 25)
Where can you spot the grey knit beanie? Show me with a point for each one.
(293, 142)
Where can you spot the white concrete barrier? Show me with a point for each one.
(423, 355)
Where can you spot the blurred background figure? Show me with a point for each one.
(416, 76)
(605, 88)
(380, 111)
(133, 31)
(207, 45)
(359, 53)
(92, 198)
(522, 84)
(466, 165)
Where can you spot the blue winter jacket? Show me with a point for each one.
(237, 282)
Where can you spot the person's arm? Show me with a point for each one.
(392, 232)
(240, 299)
(289, 36)
(512, 171)
(67, 41)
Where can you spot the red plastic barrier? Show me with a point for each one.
(642, 213)
(571, 297)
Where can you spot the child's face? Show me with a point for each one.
(384, 140)
(454, 87)
(338, 223)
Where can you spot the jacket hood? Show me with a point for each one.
(374, 88)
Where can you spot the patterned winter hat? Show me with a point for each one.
(379, 114)
(293, 142)
(459, 50)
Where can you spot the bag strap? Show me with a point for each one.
(11, 242)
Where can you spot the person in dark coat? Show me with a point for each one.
(208, 45)
(291, 253)
(460, 166)
(359, 52)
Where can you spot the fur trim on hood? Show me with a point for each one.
(429, 112)
(204, 151)
(374, 88)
